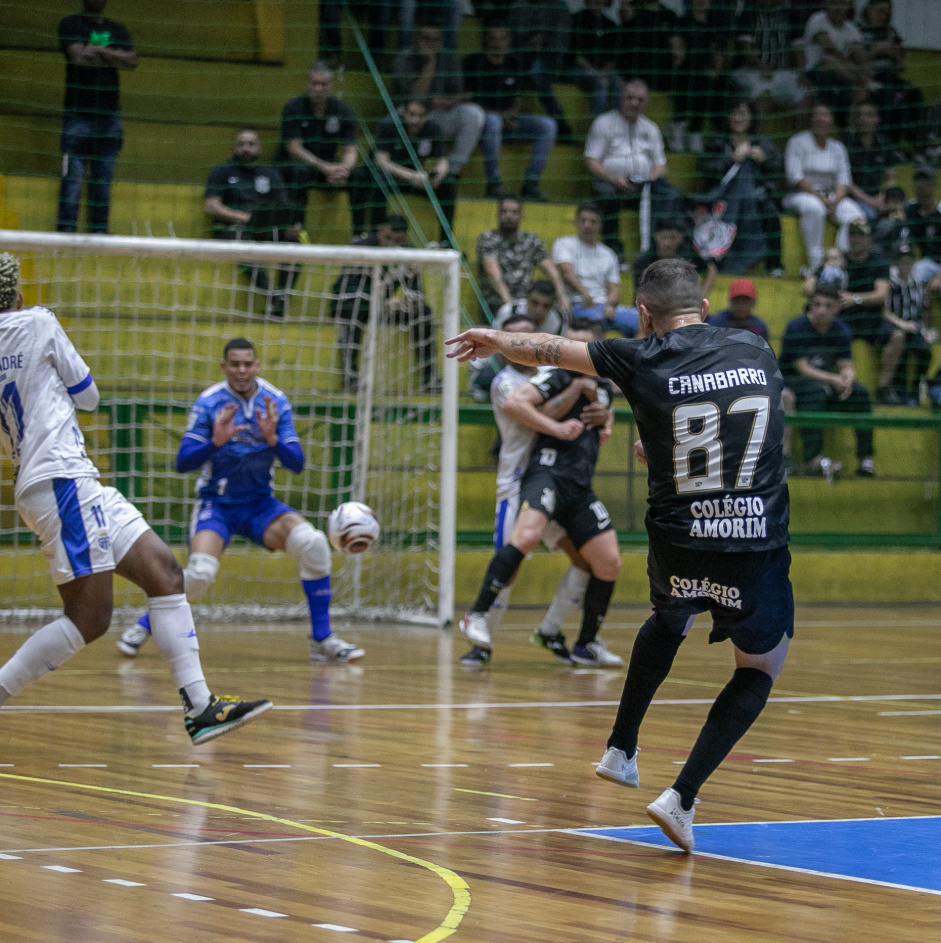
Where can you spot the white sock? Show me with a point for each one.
(44, 651)
(569, 595)
(498, 609)
(171, 624)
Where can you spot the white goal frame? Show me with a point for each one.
(445, 262)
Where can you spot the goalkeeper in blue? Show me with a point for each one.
(236, 430)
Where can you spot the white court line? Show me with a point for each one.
(192, 897)
(174, 765)
(123, 883)
(932, 756)
(528, 765)
(83, 766)
(445, 765)
(61, 868)
(10, 858)
(482, 705)
(507, 821)
(772, 761)
(259, 912)
(847, 759)
(266, 766)
(907, 713)
(334, 926)
(357, 765)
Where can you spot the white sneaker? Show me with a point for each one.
(675, 822)
(132, 640)
(333, 648)
(596, 654)
(475, 629)
(617, 768)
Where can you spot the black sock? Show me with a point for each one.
(651, 659)
(595, 608)
(506, 561)
(735, 709)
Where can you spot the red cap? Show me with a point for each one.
(742, 288)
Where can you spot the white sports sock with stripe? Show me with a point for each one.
(171, 624)
(44, 651)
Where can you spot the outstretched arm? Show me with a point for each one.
(529, 349)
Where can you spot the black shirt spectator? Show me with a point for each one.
(867, 285)
(245, 187)
(873, 158)
(494, 90)
(92, 89)
(643, 41)
(322, 135)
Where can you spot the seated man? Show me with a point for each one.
(923, 217)
(817, 364)
(393, 157)
(248, 200)
(867, 286)
(403, 302)
(670, 242)
(624, 153)
(741, 310)
(430, 72)
(318, 147)
(235, 432)
(556, 486)
(592, 274)
(507, 256)
(495, 80)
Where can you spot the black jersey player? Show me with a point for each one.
(707, 402)
(556, 486)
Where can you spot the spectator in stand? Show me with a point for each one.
(910, 332)
(700, 87)
(770, 41)
(380, 14)
(832, 271)
(592, 274)
(643, 42)
(873, 158)
(318, 147)
(542, 31)
(835, 58)
(743, 169)
(890, 229)
(923, 217)
(594, 56)
(624, 153)
(393, 159)
(447, 12)
(248, 200)
(817, 363)
(867, 286)
(430, 72)
(817, 168)
(94, 48)
(900, 103)
(507, 256)
(403, 303)
(670, 242)
(741, 310)
(495, 79)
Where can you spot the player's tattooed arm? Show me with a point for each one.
(529, 349)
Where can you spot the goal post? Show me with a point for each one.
(352, 335)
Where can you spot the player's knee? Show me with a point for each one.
(310, 548)
(607, 569)
(166, 574)
(199, 575)
(659, 631)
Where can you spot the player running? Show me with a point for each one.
(707, 402)
(88, 532)
(556, 487)
(236, 429)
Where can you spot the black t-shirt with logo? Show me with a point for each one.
(802, 341)
(861, 276)
(573, 460)
(707, 402)
(246, 187)
(428, 144)
(321, 136)
(92, 90)
(494, 87)
(925, 230)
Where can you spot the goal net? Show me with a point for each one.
(353, 336)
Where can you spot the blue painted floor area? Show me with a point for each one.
(898, 851)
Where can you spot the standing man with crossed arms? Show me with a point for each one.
(707, 402)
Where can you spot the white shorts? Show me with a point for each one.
(782, 86)
(507, 509)
(84, 528)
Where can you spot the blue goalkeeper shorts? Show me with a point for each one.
(249, 520)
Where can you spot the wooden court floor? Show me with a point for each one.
(406, 799)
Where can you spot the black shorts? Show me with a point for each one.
(748, 594)
(573, 506)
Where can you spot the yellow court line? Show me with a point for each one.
(499, 795)
(458, 886)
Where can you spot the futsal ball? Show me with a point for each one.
(352, 527)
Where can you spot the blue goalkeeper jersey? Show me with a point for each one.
(239, 472)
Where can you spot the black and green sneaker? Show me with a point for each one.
(477, 657)
(221, 715)
(553, 643)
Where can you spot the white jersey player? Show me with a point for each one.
(516, 443)
(88, 532)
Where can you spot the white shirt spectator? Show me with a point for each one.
(844, 38)
(823, 168)
(595, 266)
(628, 149)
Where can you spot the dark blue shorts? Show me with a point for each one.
(247, 520)
(748, 594)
